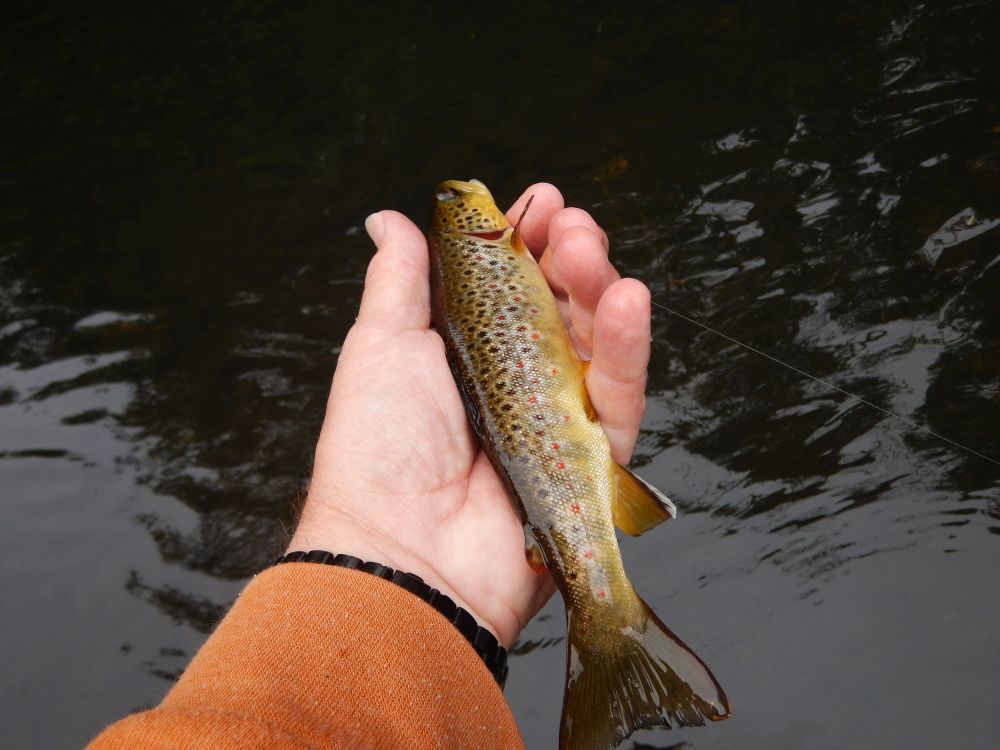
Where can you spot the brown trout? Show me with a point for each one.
(523, 386)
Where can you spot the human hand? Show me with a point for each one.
(399, 478)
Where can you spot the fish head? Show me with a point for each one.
(466, 207)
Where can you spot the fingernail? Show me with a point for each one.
(373, 225)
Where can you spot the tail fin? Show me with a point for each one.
(641, 678)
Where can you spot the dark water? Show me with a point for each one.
(181, 196)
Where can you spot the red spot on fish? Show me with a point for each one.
(555, 371)
(522, 328)
(568, 486)
(493, 286)
(534, 311)
(560, 465)
(575, 507)
(517, 299)
(536, 335)
(520, 364)
(532, 399)
(534, 381)
(501, 317)
(555, 446)
(566, 417)
(600, 593)
(589, 554)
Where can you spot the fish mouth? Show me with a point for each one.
(450, 190)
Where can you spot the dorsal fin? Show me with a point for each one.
(515, 239)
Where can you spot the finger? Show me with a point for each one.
(574, 217)
(561, 222)
(397, 293)
(582, 267)
(535, 227)
(616, 380)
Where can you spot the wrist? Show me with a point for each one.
(483, 642)
(340, 535)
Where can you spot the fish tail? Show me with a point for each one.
(639, 676)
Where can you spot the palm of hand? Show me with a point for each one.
(429, 490)
(399, 478)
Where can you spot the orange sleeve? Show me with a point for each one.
(315, 656)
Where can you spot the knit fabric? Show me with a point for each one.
(313, 656)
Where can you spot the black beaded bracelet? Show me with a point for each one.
(494, 655)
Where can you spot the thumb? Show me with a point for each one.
(397, 291)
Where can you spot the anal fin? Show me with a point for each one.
(638, 506)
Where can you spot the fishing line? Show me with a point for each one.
(832, 386)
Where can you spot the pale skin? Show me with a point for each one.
(399, 477)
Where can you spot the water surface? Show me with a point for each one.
(181, 200)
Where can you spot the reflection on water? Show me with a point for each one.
(181, 254)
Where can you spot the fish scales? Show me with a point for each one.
(517, 359)
(523, 386)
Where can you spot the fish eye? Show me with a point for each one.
(446, 195)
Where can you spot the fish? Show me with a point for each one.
(523, 387)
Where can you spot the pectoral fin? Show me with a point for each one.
(533, 552)
(638, 506)
(516, 241)
(588, 406)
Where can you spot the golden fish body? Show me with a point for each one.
(523, 386)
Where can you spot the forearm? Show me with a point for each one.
(316, 656)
